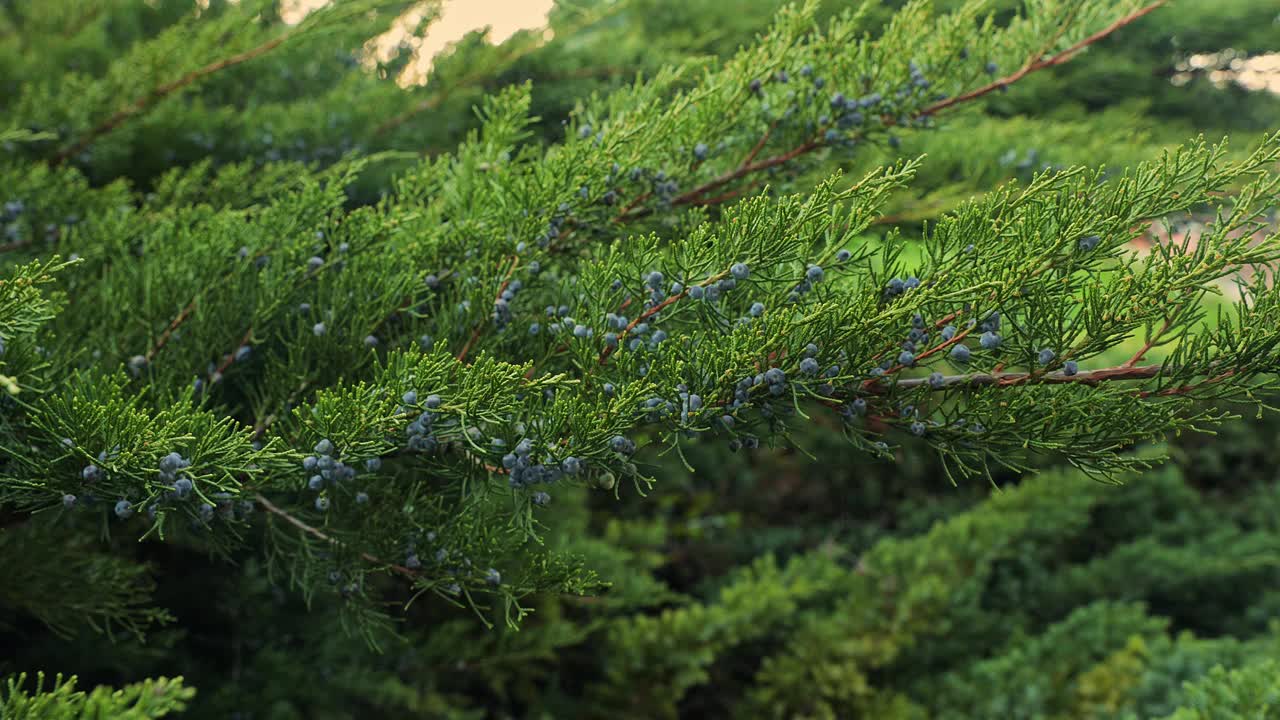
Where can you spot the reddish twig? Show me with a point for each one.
(607, 351)
(162, 91)
(1031, 66)
(475, 334)
(1150, 343)
(1041, 63)
(169, 330)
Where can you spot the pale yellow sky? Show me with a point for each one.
(459, 17)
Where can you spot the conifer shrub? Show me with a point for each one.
(677, 395)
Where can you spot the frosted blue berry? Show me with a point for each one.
(322, 503)
(171, 463)
(432, 282)
(315, 483)
(68, 501)
(621, 444)
(907, 358)
(936, 380)
(658, 337)
(433, 401)
(362, 498)
(493, 577)
(1046, 356)
(182, 488)
(740, 271)
(1089, 242)
(911, 283)
(654, 280)
(373, 464)
(412, 561)
(318, 329)
(324, 447)
(243, 353)
(315, 262)
(371, 341)
(90, 473)
(571, 465)
(918, 428)
(960, 353)
(1070, 368)
(540, 498)
(124, 509)
(581, 331)
(677, 288)
(757, 309)
(696, 292)
(991, 67)
(809, 366)
(896, 286)
(814, 274)
(989, 340)
(700, 151)
(608, 389)
(611, 339)
(948, 332)
(843, 256)
(859, 406)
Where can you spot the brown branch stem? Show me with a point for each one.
(162, 91)
(316, 533)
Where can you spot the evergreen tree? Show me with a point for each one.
(643, 398)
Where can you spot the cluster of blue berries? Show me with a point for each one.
(990, 339)
(524, 471)
(420, 433)
(502, 305)
(171, 467)
(898, 286)
(327, 471)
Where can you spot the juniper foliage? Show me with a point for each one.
(253, 342)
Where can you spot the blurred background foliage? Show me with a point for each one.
(1047, 596)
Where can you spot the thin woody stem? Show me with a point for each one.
(162, 91)
(1031, 66)
(314, 532)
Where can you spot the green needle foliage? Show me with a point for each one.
(286, 397)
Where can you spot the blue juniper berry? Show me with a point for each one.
(124, 509)
(960, 353)
(68, 501)
(989, 340)
(843, 255)
(740, 271)
(1070, 368)
(322, 503)
(1046, 356)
